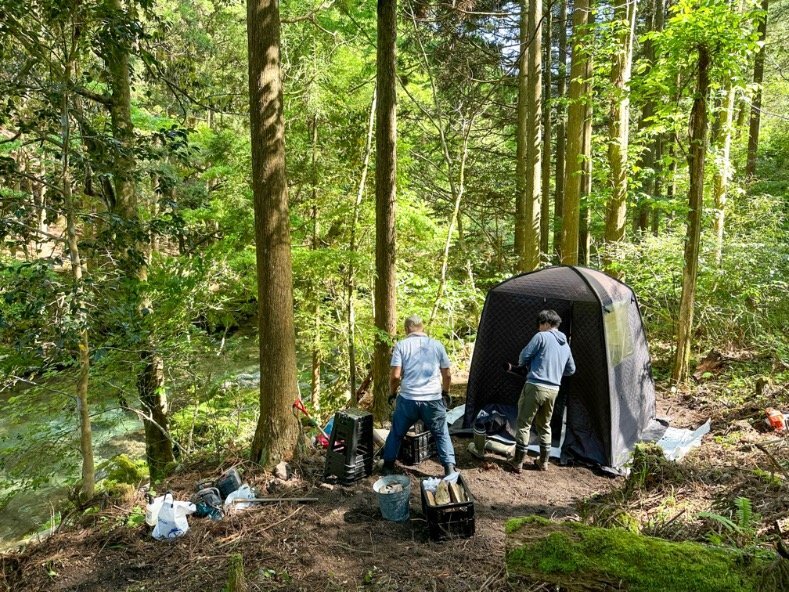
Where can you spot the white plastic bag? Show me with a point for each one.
(242, 493)
(152, 510)
(171, 521)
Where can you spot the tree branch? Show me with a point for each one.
(310, 16)
(103, 99)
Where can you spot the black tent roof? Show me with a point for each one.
(610, 401)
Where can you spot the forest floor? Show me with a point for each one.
(341, 542)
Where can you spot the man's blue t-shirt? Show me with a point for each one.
(421, 359)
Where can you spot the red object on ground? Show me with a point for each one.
(776, 419)
(321, 438)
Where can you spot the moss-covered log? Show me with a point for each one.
(580, 557)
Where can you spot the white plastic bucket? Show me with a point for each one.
(394, 506)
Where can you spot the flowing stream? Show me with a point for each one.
(26, 449)
(43, 441)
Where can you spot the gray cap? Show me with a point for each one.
(413, 321)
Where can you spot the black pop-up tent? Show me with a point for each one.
(610, 401)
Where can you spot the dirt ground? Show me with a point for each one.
(341, 542)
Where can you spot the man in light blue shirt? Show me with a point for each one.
(420, 369)
(547, 357)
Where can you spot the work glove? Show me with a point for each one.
(446, 398)
(391, 399)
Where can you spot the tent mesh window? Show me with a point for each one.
(619, 339)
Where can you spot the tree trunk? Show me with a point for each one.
(672, 172)
(352, 249)
(561, 117)
(86, 433)
(619, 128)
(385, 193)
(277, 431)
(649, 159)
(158, 444)
(585, 215)
(315, 383)
(722, 176)
(657, 184)
(584, 237)
(150, 386)
(545, 209)
(39, 191)
(458, 189)
(576, 113)
(659, 21)
(756, 105)
(529, 256)
(521, 135)
(697, 152)
(124, 163)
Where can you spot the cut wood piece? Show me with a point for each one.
(442, 494)
(455, 493)
(431, 499)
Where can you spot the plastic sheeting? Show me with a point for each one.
(676, 442)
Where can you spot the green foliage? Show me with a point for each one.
(769, 478)
(136, 517)
(122, 469)
(739, 302)
(224, 415)
(575, 553)
(649, 468)
(727, 35)
(738, 528)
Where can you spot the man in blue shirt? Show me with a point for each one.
(547, 357)
(420, 369)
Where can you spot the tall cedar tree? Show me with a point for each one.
(545, 207)
(528, 167)
(385, 192)
(619, 124)
(576, 114)
(277, 430)
(649, 160)
(561, 118)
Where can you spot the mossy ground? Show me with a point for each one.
(581, 557)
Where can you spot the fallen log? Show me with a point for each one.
(579, 558)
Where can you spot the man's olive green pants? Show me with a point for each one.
(535, 406)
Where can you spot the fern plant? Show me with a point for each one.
(740, 527)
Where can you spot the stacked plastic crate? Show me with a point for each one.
(350, 453)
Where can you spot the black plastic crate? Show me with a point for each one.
(337, 470)
(348, 477)
(337, 466)
(350, 452)
(415, 448)
(353, 420)
(450, 521)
